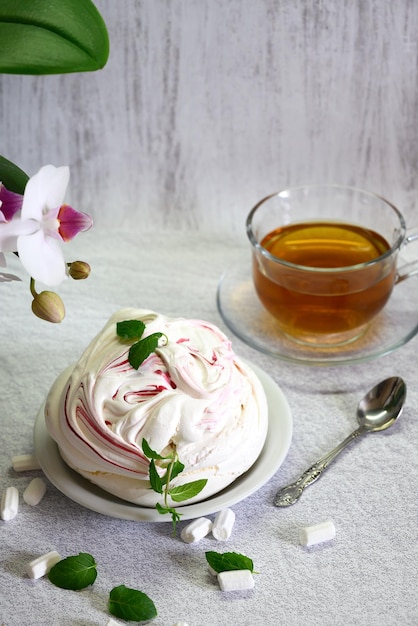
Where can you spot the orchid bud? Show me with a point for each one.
(48, 306)
(79, 270)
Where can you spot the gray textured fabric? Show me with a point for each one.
(366, 575)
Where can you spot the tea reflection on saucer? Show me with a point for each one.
(246, 317)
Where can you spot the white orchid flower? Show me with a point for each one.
(43, 223)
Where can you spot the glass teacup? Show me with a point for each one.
(325, 260)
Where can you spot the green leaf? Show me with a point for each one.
(130, 329)
(228, 561)
(54, 37)
(12, 176)
(163, 509)
(154, 478)
(175, 516)
(74, 572)
(176, 468)
(131, 604)
(142, 349)
(188, 490)
(150, 453)
(168, 509)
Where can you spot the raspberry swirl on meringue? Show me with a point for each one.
(193, 394)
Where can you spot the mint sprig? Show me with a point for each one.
(227, 561)
(74, 572)
(161, 484)
(131, 604)
(133, 330)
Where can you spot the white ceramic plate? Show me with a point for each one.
(87, 494)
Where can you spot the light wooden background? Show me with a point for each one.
(205, 106)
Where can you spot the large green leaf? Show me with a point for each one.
(51, 37)
(12, 176)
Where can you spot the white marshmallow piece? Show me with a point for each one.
(9, 503)
(196, 530)
(181, 624)
(112, 622)
(34, 492)
(41, 565)
(25, 463)
(236, 580)
(223, 524)
(312, 535)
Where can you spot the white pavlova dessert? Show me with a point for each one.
(191, 394)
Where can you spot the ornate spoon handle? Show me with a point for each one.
(291, 493)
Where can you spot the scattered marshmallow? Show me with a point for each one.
(223, 524)
(181, 624)
(312, 535)
(9, 503)
(112, 622)
(236, 580)
(34, 492)
(196, 530)
(41, 565)
(25, 463)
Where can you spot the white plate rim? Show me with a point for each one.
(90, 496)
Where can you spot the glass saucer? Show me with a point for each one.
(245, 316)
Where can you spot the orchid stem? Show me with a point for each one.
(32, 287)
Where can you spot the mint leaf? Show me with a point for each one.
(150, 453)
(176, 468)
(131, 604)
(154, 478)
(130, 329)
(228, 561)
(142, 349)
(175, 516)
(74, 572)
(188, 490)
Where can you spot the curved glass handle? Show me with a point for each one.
(411, 268)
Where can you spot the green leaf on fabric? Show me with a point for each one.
(131, 604)
(74, 572)
(54, 37)
(228, 561)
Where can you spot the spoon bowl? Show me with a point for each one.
(377, 411)
(382, 405)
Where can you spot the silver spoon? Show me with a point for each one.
(378, 410)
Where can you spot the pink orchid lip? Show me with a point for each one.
(71, 222)
(10, 202)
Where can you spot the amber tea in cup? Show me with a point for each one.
(324, 260)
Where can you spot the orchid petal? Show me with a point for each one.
(10, 202)
(45, 190)
(72, 222)
(42, 258)
(10, 231)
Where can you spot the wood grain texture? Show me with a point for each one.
(205, 106)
